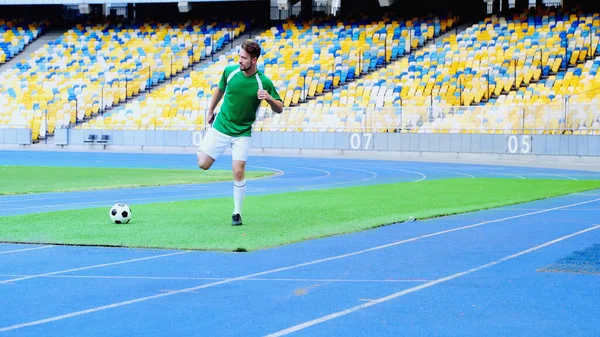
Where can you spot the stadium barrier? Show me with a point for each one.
(521, 144)
(518, 144)
(20, 135)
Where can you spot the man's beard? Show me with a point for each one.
(242, 68)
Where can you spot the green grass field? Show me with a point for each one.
(277, 219)
(36, 179)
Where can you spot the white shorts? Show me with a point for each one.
(215, 143)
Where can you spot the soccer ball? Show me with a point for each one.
(120, 213)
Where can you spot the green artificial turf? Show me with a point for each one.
(276, 219)
(36, 179)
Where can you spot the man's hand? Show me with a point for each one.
(263, 94)
(210, 117)
(276, 105)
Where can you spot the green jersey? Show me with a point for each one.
(240, 101)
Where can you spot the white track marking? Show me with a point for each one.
(91, 267)
(141, 190)
(259, 189)
(537, 209)
(249, 276)
(423, 177)
(473, 167)
(177, 278)
(278, 171)
(101, 202)
(460, 173)
(432, 169)
(373, 176)
(422, 286)
(25, 249)
(506, 174)
(550, 174)
(327, 173)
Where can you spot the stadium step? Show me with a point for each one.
(32, 47)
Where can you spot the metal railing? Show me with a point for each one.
(282, 14)
(508, 119)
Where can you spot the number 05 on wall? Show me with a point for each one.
(518, 144)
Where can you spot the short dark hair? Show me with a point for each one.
(252, 48)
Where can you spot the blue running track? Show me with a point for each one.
(475, 274)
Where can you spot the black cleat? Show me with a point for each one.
(236, 220)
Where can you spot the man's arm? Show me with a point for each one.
(217, 96)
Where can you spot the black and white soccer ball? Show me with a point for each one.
(120, 213)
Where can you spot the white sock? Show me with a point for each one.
(239, 191)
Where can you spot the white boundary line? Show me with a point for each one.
(100, 203)
(25, 249)
(454, 172)
(506, 174)
(90, 267)
(278, 172)
(537, 209)
(182, 278)
(249, 276)
(422, 286)
(549, 174)
(423, 177)
(312, 187)
(327, 173)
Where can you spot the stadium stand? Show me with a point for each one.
(495, 62)
(500, 75)
(331, 52)
(15, 35)
(92, 68)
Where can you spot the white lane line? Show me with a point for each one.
(434, 169)
(460, 173)
(537, 209)
(277, 174)
(259, 189)
(25, 249)
(101, 202)
(506, 174)
(373, 176)
(327, 173)
(472, 167)
(178, 278)
(90, 267)
(140, 190)
(423, 177)
(550, 174)
(380, 300)
(339, 280)
(249, 276)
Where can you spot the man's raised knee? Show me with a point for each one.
(204, 161)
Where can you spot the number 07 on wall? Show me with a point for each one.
(361, 141)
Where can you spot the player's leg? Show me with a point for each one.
(204, 160)
(211, 148)
(239, 152)
(239, 190)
